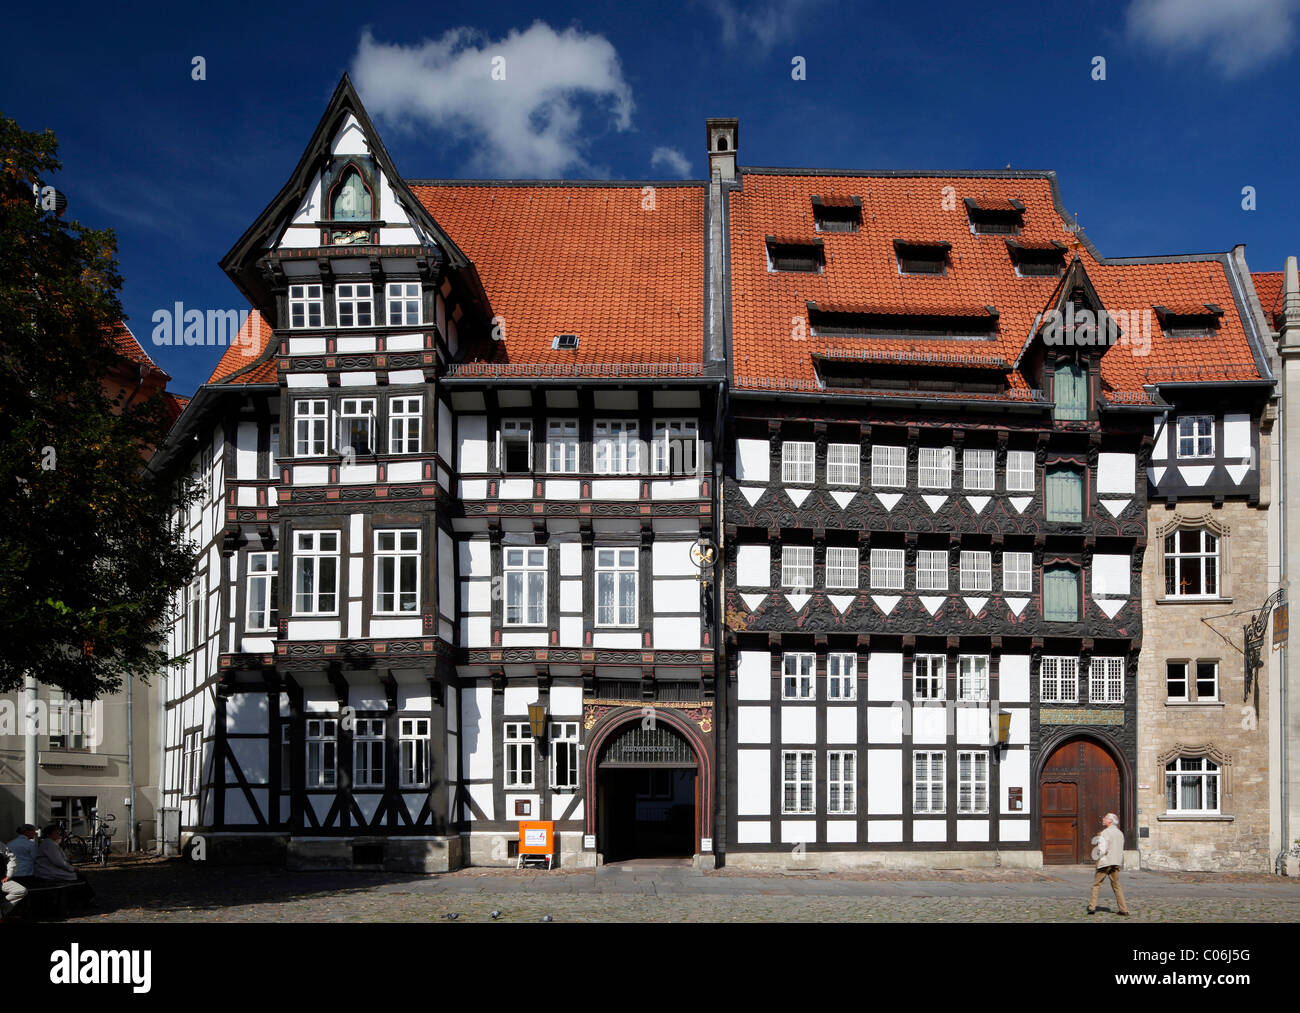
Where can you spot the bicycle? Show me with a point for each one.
(76, 847)
(101, 837)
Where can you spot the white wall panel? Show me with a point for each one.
(753, 782)
(884, 781)
(1116, 473)
(753, 461)
(753, 566)
(885, 676)
(754, 675)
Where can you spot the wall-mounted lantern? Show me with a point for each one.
(537, 719)
(1004, 728)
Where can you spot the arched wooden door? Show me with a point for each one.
(1080, 783)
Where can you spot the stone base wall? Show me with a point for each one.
(833, 861)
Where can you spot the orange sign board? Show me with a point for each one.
(536, 837)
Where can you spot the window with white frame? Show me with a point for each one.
(797, 462)
(977, 468)
(929, 768)
(368, 753)
(1017, 572)
(1192, 785)
(1176, 681)
(798, 681)
(887, 569)
(1020, 471)
(397, 572)
(562, 446)
(71, 722)
(929, 677)
(193, 762)
(616, 450)
(355, 302)
(286, 758)
(322, 752)
(404, 418)
(263, 592)
(676, 445)
(1191, 564)
(616, 586)
(1207, 680)
(525, 600)
(841, 676)
(932, 570)
(841, 781)
(1058, 680)
(889, 466)
(403, 299)
(934, 468)
(305, 304)
(1196, 436)
(797, 566)
(973, 677)
(843, 464)
(413, 752)
(315, 573)
(564, 754)
(357, 425)
(310, 419)
(976, 570)
(274, 443)
(519, 755)
(798, 780)
(972, 781)
(841, 566)
(195, 613)
(515, 446)
(1106, 680)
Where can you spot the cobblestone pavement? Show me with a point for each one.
(180, 891)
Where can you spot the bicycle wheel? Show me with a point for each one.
(77, 850)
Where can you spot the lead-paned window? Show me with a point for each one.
(1192, 785)
(519, 755)
(843, 464)
(404, 418)
(315, 573)
(310, 418)
(355, 302)
(934, 468)
(1196, 436)
(887, 569)
(1191, 564)
(797, 462)
(322, 752)
(397, 572)
(263, 592)
(564, 754)
(357, 425)
(798, 676)
(976, 570)
(1017, 572)
(616, 587)
(932, 570)
(1106, 680)
(1058, 680)
(973, 677)
(403, 299)
(841, 676)
(1020, 471)
(928, 780)
(841, 566)
(972, 782)
(977, 468)
(413, 752)
(889, 466)
(616, 449)
(562, 446)
(841, 781)
(929, 677)
(798, 782)
(368, 753)
(305, 304)
(525, 600)
(676, 447)
(797, 566)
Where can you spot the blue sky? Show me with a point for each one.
(1197, 103)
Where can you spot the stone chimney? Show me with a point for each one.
(723, 138)
(1289, 334)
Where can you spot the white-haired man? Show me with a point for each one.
(1109, 852)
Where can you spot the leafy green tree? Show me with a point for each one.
(88, 557)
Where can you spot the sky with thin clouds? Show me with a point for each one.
(1197, 103)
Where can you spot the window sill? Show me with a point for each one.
(1194, 703)
(1192, 600)
(1194, 818)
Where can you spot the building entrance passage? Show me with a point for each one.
(1079, 785)
(647, 795)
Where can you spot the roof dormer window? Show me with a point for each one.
(1190, 320)
(837, 214)
(990, 216)
(1044, 258)
(807, 255)
(922, 257)
(565, 342)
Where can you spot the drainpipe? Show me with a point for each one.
(132, 844)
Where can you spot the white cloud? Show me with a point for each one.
(533, 121)
(672, 160)
(1235, 37)
(760, 25)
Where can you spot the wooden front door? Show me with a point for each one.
(1079, 785)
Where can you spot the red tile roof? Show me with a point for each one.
(587, 260)
(249, 346)
(1268, 286)
(124, 342)
(769, 309)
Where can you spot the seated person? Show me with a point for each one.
(24, 847)
(52, 865)
(11, 891)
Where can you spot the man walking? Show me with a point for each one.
(1110, 858)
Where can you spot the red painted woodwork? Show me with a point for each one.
(1079, 785)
